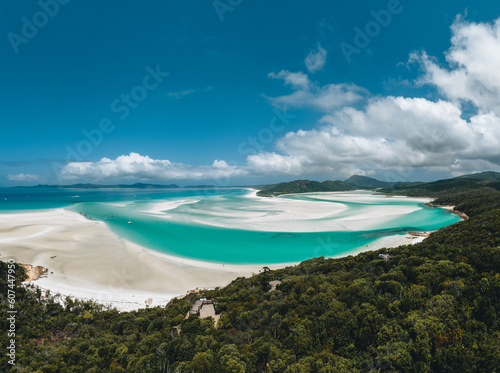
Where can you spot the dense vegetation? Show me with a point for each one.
(448, 187)
(305, 186)
(364, 182)
(433, 189)
(489, 176)
(430, 307)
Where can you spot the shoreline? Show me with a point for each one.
(86, 260)
(451, 209)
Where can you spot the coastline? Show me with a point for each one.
(86, 260)
(461, 215)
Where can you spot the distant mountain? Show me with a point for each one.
(202, 186)
(148, 186)
(96, 186)
(305, 186)
(365, 182)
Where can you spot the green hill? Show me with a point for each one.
(439, 188)
(483, 176)
(305, 186)
(365, 182)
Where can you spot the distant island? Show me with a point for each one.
(118, 186)
(440, 188)
(96, 186)
(202, 186)
(435, 189)
(488, 179)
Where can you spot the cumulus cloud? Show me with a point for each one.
(297, 80)
(472, 74)
(363, 134)
(398, 133)
(23, 177)
(309, 95)
(135, 165)
(390, 133)
(316, 60)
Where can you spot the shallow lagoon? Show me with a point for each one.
(228, 226)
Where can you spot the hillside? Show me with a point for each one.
(482, 176)
(305, 186)
(433, 189)
(364, 182)
(444, 187)
(430, 307)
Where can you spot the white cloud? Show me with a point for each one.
(23, 177)
(328, 151)
(272, 163)
(400, 133)
(366, 135)
(390, 133)
(296, 80)
(143, 167)
(473, 74)
(316, 59)
(178, 95)
(309, 95)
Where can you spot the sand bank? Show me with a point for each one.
(86, 260)
(323, 212)
(161, 207)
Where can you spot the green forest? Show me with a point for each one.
(435, 189)
(305, 186)
(429, 307)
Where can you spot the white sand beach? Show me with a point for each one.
(86, 260)
(160, 207)
(281, 214)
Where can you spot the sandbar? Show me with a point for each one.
(86, 260)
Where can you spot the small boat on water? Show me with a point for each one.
(130, 221)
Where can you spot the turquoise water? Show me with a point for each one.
(184, 231)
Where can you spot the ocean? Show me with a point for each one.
(229, 226)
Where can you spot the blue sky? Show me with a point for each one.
(247, 93)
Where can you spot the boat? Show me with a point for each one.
(130, 221)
